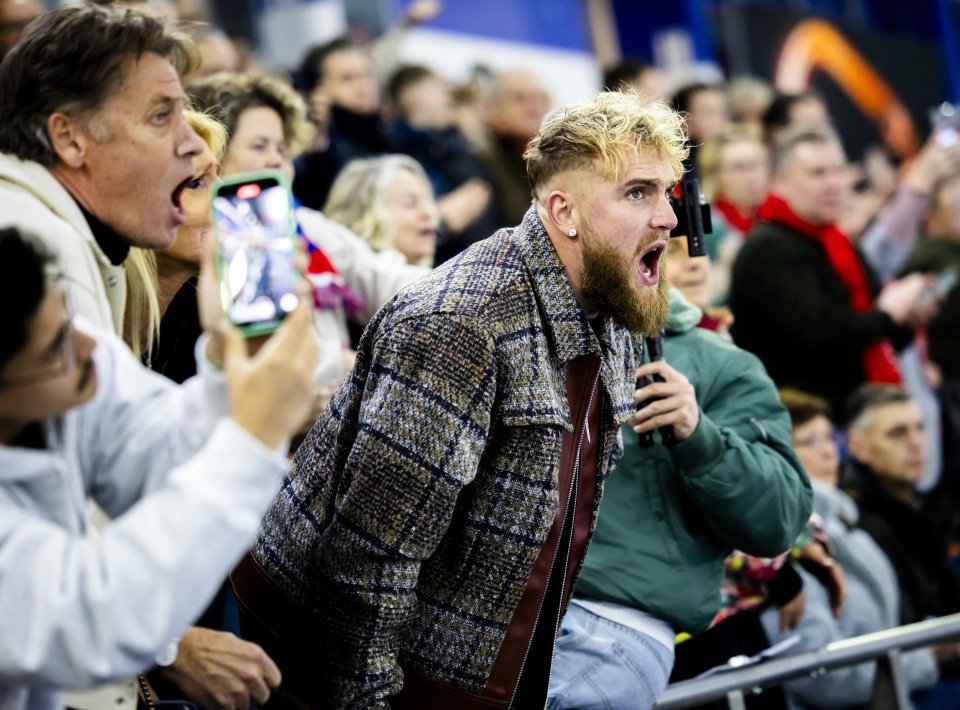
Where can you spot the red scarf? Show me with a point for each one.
(879, 359)
(735, 218)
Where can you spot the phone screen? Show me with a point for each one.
(256, 244)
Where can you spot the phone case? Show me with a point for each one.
(225, 185)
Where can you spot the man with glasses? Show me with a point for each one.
(185, 472)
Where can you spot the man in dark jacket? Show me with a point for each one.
(888, 450)
(431, 529)
(804, 300)
(344, 103)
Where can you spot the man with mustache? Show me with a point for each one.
(425, 543)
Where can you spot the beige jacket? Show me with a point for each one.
(32, 199)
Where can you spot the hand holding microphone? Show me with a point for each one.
(665, 401)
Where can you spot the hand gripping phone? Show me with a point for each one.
(255, 230)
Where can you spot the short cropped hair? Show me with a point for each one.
(791, 138)
(605, 128)
(69, 60)
(357, 197)
(225, 96)
(803, 406)
(866, 398)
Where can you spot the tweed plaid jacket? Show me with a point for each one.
(414, 510)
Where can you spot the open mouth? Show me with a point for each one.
(649, 268)
(178, 193)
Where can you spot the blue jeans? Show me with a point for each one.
(601, 665)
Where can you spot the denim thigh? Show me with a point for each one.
(599, 664)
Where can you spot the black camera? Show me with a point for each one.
(693, 216)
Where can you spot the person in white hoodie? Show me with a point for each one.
(186, 473)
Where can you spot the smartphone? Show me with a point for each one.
(253, 218)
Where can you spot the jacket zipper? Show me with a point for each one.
(571, 499)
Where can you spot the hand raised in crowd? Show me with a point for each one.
(675, 402)
(220, 671)
(908, 301)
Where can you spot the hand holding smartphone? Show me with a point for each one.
(256, 245)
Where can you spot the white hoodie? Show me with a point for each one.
(78, 609)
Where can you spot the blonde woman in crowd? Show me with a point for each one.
(155, 278)
(388, 202)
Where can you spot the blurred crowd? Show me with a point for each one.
(819, 335)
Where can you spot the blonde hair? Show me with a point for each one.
(141, 321)
(226, 95)
(606, 128)
(358, 196)
(708, 157)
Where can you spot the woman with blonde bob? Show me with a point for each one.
(388, 201)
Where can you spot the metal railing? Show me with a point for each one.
(890, 687)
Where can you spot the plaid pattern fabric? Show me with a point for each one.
(415, 508)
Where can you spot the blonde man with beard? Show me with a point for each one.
(426, 541)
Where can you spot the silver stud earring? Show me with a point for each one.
(572, 232)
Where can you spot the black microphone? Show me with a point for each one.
(667, 435)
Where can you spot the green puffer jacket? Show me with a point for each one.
(670, 517)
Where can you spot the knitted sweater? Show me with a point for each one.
(417, 505)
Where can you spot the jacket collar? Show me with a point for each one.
(40, 182)
(566, 324)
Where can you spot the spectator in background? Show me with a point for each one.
(387, 201)
(749, 97)
(79, 417)
(705, 106)
(803, 299)
(888, 451)
(872, 595)
(670, 516)
(344, 106)
(15, 15)
(518, 104)
(734, 169)
(96, 152)
(693, 276)
(806, 108)
(217, 53)
(424, 127)
(635, 75)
